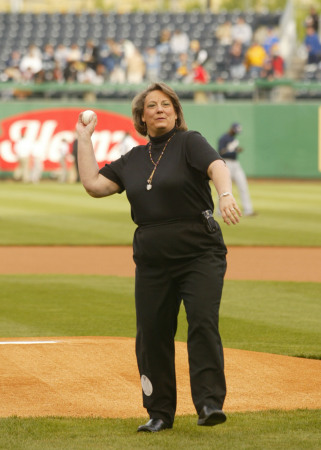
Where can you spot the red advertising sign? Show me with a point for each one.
(43, 132)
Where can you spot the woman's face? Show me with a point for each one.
(159, 113)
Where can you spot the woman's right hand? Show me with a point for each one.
(95, 184)
(86, 129)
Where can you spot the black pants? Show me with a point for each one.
(161, 285)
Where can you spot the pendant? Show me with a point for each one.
(149, 186)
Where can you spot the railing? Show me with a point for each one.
(255, 89)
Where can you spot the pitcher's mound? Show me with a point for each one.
(98, 376)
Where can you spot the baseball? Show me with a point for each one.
(86, 116)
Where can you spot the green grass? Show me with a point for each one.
(289, 213)
(53, 214)
(63, 305)
(263, 430)
(275, 317)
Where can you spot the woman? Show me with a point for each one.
(178, 249)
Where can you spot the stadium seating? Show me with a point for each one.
(19, 30)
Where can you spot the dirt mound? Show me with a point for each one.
(98, 376)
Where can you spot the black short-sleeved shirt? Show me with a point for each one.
(180, 185)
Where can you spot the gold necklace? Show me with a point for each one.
(149, 181)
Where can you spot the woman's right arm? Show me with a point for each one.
(95, 184)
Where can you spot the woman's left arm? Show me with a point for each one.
(220, 175)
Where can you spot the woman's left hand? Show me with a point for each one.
(220, 175)
(230, 211)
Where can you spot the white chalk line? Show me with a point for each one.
(27, 342)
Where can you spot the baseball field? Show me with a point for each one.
(68, 376)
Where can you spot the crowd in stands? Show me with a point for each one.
(251, 55)
(175, 57)
(240, 53)
(117, 62)
(120, 62)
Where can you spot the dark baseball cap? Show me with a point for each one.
(236, 127)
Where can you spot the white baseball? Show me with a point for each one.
(86, 116)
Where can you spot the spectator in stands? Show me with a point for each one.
(91, 54)
(179, 42)
(112, 57)
(116, 63)
(86, 74)
(74, 63)
(135, 67)
(128, 48)
(255, 57)
(61, 55)
(200, 74)
(312, 19)
(70, 72)
(313, 45)
(12, 71)
(183, 69)
(31, 64)
(105, 56)
(101, 74)
(224, 33)
(58, 73)
(277, 62)
(104, 51)
(48, 62)
(270, 40)
(197, 53)
(273, 66)
(267, 72)
(74, 53)
(14, 59)
(152, 63)
(260, 34)
(241, 31)
(164, 42)
(78, 71)
(236, 61)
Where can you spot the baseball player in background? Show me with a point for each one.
(229, 148)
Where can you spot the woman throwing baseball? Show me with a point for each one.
(178, 249)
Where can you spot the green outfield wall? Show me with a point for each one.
(279, 140)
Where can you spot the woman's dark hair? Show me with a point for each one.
(138, 107)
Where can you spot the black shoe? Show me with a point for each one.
(210, 416)
(154, 425)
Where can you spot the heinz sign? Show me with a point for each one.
(45, 130)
